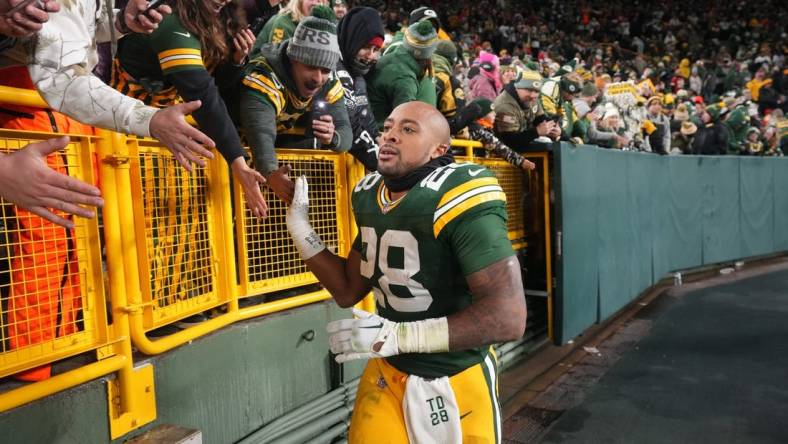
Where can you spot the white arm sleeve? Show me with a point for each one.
(64, 57)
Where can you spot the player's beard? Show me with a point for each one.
(401, 181)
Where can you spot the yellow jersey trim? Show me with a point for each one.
(464, 206)
(179, 51)
(335, 93)
(264, 86)
(186, 61)
(471, 184)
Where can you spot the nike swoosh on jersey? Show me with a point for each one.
(185, 34)
(473, 173)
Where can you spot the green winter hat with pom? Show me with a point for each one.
(314, 42)
(738, 119)
(420, 40)
(714, 112)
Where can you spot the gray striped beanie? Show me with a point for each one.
(314, 42)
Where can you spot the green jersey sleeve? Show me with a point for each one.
(263, 83)
(176, 48)
(471, 218)
(481, 239)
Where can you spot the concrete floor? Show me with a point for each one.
(700, 364)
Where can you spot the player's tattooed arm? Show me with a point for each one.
(498, 311)
(341, 277)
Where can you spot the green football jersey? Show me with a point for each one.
(267, 79)
(145, 60)
(417, 251)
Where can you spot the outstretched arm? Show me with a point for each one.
(27, 181)
(341, 277)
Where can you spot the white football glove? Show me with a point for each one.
(369, 336)
(304, 236)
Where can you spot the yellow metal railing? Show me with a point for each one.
(51, 280)
(56, 301)
(177, 240)
(512, 181)
(267, 258)
(167, 245)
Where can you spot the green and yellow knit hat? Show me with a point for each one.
(314, 42)
(420, 40)
(529, 80)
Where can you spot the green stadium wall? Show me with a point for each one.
(627, 219)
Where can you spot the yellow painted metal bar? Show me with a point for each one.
(95, 296)
(548, 245)
(469, 145)
(221, 210)
(166, 343)
(170, 342)
(281, 305)
(463, 143)
(241, 244)
(22, 96)
(356, 172)
(107, 147)
(133, 305)
(548, 230)
(31, 392)
(343, 192)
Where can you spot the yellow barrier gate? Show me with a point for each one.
(50, 277)
(511, 180)
(178, 242)
(268, 259)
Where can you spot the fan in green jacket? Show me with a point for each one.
(289, 98)
(738, 123)
(405, 74)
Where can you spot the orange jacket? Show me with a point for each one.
(45, 297)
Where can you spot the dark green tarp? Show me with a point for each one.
(626, 219)
(756, 183)
(577, 303)
(719, 181)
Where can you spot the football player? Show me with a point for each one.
(433, 247)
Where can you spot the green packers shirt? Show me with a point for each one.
(292, 111)
(148, 59)
(166, 66)
(417, 251)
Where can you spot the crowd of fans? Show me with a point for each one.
(726, 57)
(705, 77)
